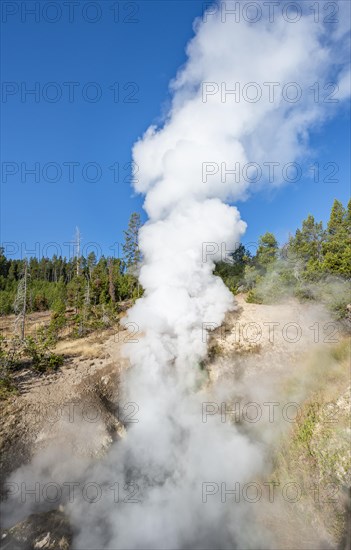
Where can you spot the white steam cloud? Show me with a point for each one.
(261, 122)
(170, 453)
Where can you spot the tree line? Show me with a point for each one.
(85, 294)
(314, 254)
(74, 282)
(315, 263)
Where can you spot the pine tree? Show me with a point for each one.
(131, 250)
(337, 218)
(132, 255)
(267, 250)
(337, 248)
(90, 263)
(348, 218)
(307, 245)
(3, 263)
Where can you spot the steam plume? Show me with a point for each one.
(169, 453)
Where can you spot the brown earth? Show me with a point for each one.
(77, 405)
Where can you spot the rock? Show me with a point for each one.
(42, 531)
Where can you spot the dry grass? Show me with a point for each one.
(88, 347)
(34, 321)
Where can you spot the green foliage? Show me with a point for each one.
(307, 425)
(314, 265)
(253, 297)
(335, 293)
(312, 256)
(233, 271)
(337, 218)
(251, 276)
(132, 255)
(58, 321)
(131, 249)
(267, 251)
(15, 353)
(10, 353)
(324, 252)
(40, 354)
(7, 298)
(97, 318)
(7, 388)
(84, 295)
(337, 248)
(308, 241)
(55, 283)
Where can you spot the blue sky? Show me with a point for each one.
(138, 55)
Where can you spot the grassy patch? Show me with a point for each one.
(316, 453)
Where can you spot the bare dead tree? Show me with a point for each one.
(20, 305)
(77, 244)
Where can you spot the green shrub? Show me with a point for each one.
(7, 388)
(10, 353)
(252, 297)
(38, 350)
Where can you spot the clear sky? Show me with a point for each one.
(99, 85)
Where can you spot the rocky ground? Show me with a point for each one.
(78, 406)
(59, 407)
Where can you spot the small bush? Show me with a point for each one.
(9, 356)
(54, 361)
(42, 358)
(252, 297)
(7, 388)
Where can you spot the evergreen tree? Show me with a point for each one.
(131, 250)
(3, 263)
(267, 251)
(132, 255)
(337, 218)
(307, 248)
(337, 248)
(348, 218)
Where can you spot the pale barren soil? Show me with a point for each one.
(262, 353)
